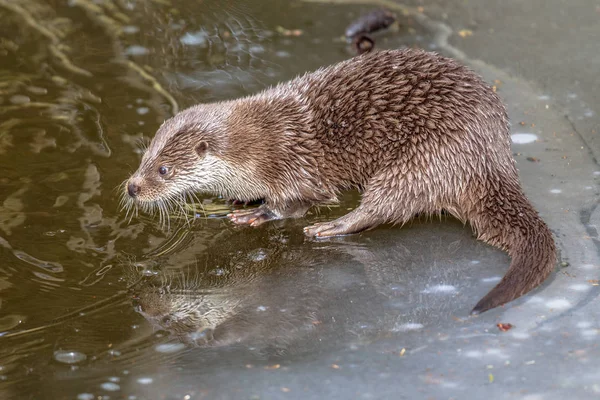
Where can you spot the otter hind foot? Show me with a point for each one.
(353, 222)
(252, 217)
(326, 229)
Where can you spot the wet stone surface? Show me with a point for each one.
(95, 305)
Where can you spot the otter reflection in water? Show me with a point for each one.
(247, 299)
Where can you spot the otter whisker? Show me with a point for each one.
(175, 207)
(182, 210)
(196, 200)
(164, 205)
(161, 212)
(170, 208)
(120, 186)
(126, 206)
(156, 209)
(142, 143)
(130, 212)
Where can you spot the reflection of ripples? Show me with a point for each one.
(214, 49)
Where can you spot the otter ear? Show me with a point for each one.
(201, 149)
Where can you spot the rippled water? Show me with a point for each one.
(92, 304)
(82, 83)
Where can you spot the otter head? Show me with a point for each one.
(184, 157)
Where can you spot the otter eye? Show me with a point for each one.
(166, 320)
(163, 170)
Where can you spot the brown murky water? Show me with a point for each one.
(88, 298)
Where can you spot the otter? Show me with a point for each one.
(413, 131)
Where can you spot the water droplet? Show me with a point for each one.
(218, 272)
(143, 110)
(492, 279)
(523, 138)
(85, 396)
(555, 191)
(520, 335)
(69, 357)
(580, 287)
(440, 289)
(145, 381)
(473, 354)
(198, 38)
(589, 332)
(256, 49)
(130, 29)
(558, 303)
(136, 50)
(257, 255)
(409, 326)
(8, 322)
(110, 386)
(584, 324)
(169, 347)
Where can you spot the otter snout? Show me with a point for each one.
(134, 186)
(133, 189)
(140, 189)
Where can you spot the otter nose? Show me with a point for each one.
(133, 189)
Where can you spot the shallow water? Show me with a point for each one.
(84, 290)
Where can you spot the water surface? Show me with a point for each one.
(93, 304)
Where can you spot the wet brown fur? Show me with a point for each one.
(415, 132)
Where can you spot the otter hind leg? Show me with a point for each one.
(386, 200)
(258, 216)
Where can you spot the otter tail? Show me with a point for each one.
(502, 216)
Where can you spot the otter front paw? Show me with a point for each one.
(252, 217)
